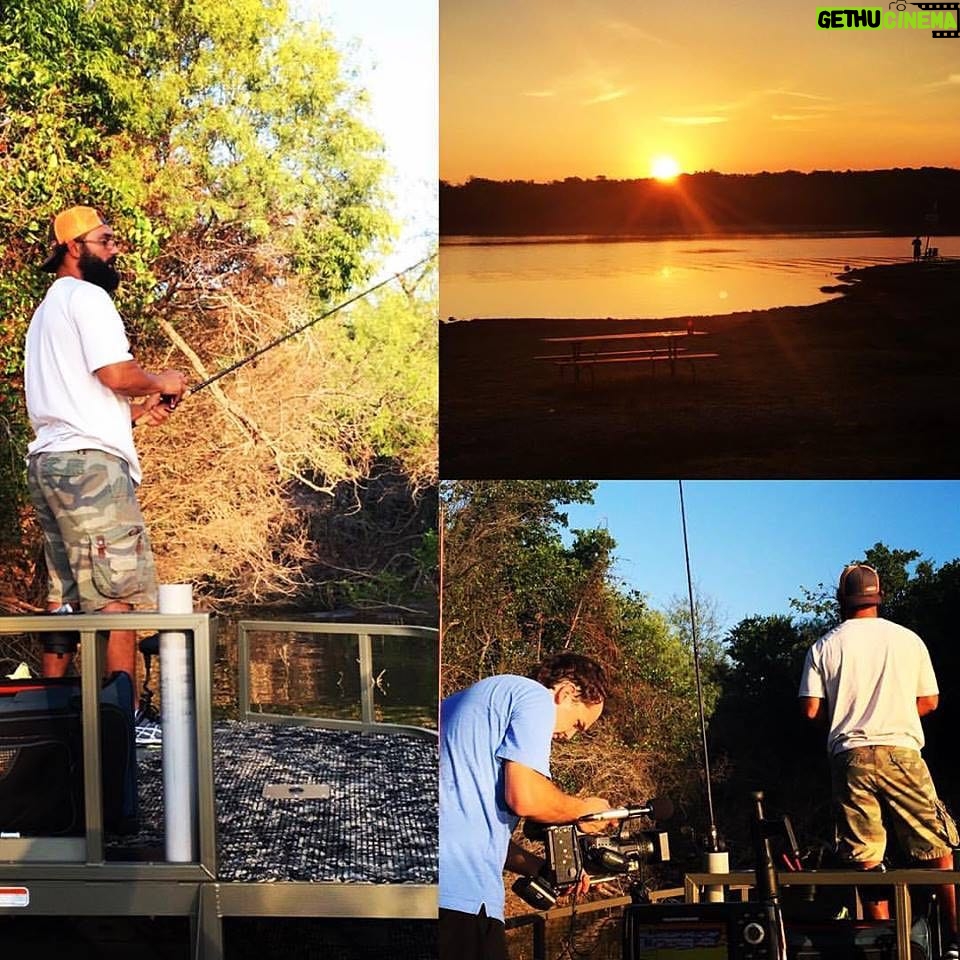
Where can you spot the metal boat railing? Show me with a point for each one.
(312, 630)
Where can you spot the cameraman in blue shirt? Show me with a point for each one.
(495, 740)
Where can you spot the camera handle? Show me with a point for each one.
(658, 808)
(535, 891)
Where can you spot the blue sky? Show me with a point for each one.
(395, 48)
(754, 544)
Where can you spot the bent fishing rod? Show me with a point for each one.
(171, 401)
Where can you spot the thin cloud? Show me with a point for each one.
(951, 81)
(693, 121)
(754, 97)
(795, 93)
(606, 97)
(636, 33)
(588, 84)
(729, 107)
(539, 93)
(790, 117)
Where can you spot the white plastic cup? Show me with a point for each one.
(717, 863)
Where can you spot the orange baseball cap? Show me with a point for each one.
(72, 223)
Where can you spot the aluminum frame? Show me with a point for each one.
(364, 633)
(75, 858)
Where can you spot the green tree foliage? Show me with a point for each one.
(758, 739)
(226, 145)
(518, 586)
(201, 129)
(389, 408)
(927, 603)
(178, 113)
(657, 674)
(512, 590)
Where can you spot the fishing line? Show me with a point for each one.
(190, 391)
(714, 836)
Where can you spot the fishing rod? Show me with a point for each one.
(714, 834)
(170, 401)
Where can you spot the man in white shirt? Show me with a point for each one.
(871, 680)
(84, 393)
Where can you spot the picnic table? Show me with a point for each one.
(671, 346)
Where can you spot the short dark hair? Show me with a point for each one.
(52, 263)
(584, 673)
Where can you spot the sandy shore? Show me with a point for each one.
(865, 385)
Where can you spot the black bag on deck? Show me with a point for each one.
(41, 757)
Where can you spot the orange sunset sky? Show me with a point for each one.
(546, 89)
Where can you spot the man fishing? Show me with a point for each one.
(870, 681)
(84, 393)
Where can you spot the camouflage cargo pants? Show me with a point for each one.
(877, 783)
(95, 543)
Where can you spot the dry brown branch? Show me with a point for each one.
(234, 477)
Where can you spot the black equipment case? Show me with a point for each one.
(697, 931)
(746, 931)
(41, 757)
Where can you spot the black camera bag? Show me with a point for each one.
(41, 757)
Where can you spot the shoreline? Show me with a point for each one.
(861, 385)
(516, 239)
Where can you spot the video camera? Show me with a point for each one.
(570, 851)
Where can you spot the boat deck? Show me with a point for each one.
(378, 824)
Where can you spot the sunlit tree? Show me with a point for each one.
(226, 144)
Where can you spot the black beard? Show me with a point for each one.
(99, 272)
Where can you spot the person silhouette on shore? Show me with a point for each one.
(916, 248)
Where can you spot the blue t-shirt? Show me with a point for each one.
(500, 718)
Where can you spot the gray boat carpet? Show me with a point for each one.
(379, 824)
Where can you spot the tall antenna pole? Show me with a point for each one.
(714, 843)
(442, 535)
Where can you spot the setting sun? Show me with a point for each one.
(664, 168)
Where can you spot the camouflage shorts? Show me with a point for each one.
(874, 785)
(95, 542)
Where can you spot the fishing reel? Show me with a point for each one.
(570, 851)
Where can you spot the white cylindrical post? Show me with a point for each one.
(179, 729)
(717, 863)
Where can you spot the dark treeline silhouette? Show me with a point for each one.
(896, 201)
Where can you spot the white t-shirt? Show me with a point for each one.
(75, 331)
(870, 671)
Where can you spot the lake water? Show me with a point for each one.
(318, 675)
(583, 278)
(301, 673)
